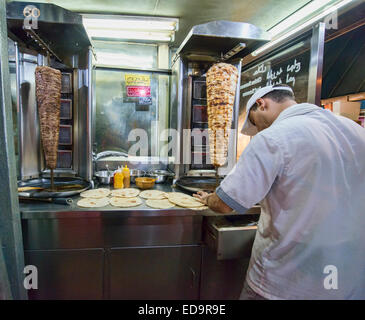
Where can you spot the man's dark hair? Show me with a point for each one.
(277, 95)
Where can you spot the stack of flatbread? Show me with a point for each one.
(164, 200)
(124, 198)
(153, 194)
(221, 90)
(125, 193)
(94, 198)
(125, 202)
(156, 199)
(184, 200)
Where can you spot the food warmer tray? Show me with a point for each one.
(195, 184)
(67, 187)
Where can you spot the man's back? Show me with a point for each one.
(316, 207)
(310, 242)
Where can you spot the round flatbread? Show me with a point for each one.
(200, 208)
(95, 193)
(160, 204)
(125, 193)
(173, 192)
(93, 203)
(184, 200)
(179, 195)
(125, 202)
(153, 194)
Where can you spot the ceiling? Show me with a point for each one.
(262, 13)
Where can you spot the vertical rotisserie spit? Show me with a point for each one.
(221, 90)
(48, 93)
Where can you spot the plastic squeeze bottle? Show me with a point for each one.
(118, 179)
(126, 177)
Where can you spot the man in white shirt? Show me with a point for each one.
(306, 167)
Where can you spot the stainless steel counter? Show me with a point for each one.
(129, 253)
(37, 210)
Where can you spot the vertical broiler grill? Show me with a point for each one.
(205, 45)
(57, 40)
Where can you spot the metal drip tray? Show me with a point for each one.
(229, 225)
(195, 184)
(64, 187)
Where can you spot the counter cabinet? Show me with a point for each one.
(127, 255)
(115, 258)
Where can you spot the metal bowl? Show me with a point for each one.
(104, 176)
(160, 175)
(136, 173)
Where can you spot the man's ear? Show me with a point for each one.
(261, 104)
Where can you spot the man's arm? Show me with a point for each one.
(216, 204)
(213, 202)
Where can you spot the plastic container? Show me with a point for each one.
(126, 177)
(118, 179)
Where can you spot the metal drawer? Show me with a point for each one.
(230, 240)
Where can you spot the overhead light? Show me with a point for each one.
(131, 27)
(298, 16)
(130, 35)
(300, 27)
(130, 24)
(118, 59)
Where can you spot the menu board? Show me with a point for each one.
(289, 66)
(293, 73)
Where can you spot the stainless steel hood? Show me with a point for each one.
(59, 32)
(217, 38)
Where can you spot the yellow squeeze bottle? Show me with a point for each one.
(126, 177)
(118, 179)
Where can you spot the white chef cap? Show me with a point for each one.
(248, 128)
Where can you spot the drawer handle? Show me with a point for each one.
(193, 277)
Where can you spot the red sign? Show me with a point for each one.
(138, 91)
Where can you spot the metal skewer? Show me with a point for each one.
(48, 59)
(216, 177)
(52, 181)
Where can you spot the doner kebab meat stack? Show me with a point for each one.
(48, 92)
(221, 89)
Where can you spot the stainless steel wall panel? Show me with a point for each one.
(316, 64)
(177, 104)
(44, 234)
(117, 114)
(10, 224)
(75, 233)
(5, 291)
(29, 133)
(83, 121)
(153, 231)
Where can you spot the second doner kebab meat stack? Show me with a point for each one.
(48, 92)
(221, 90)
